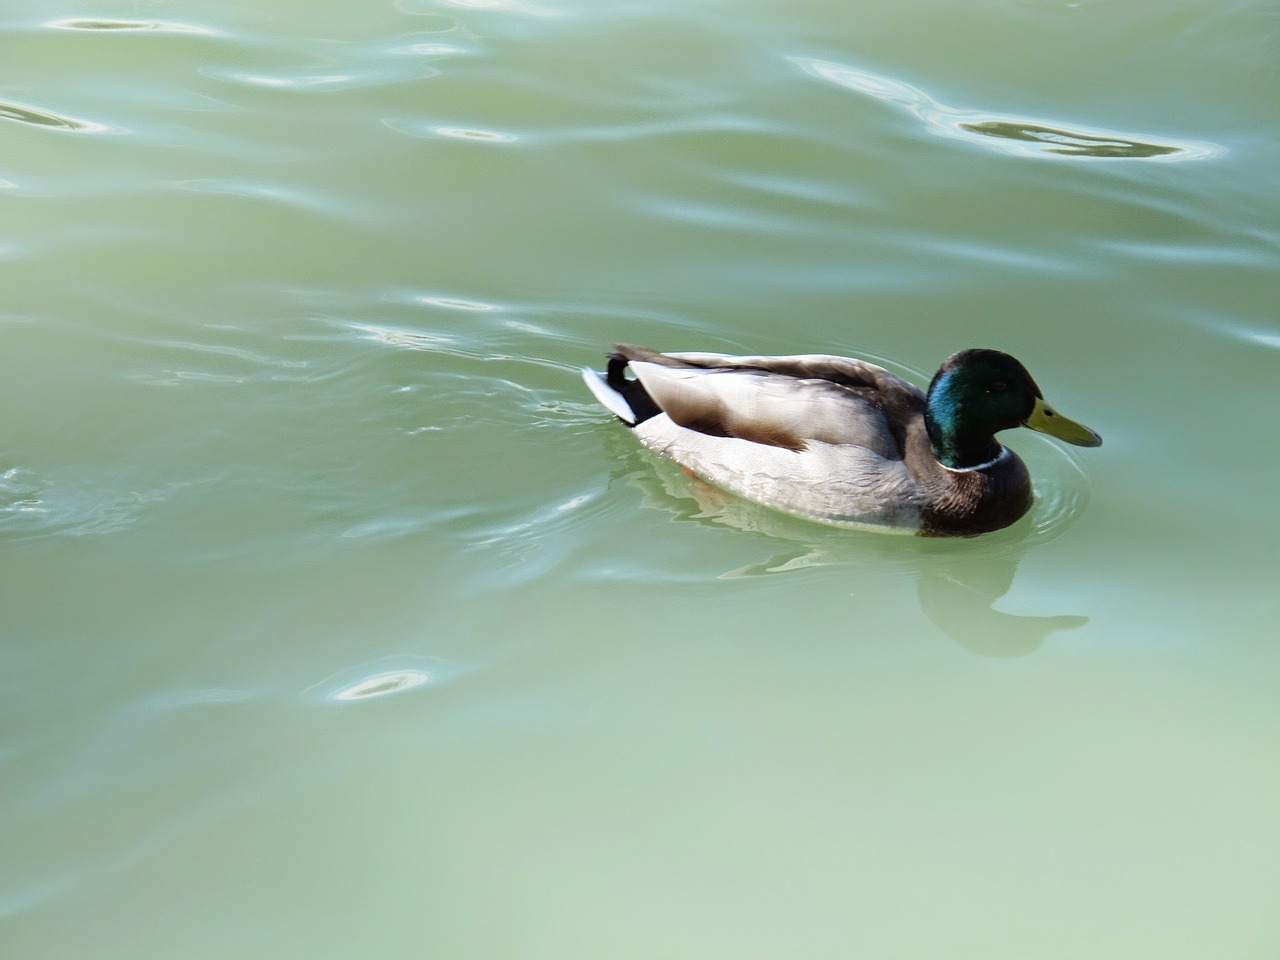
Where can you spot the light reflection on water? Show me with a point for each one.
(381, 684)
(454, 133)
(37, 116)
(1021, 135)
(128, 26)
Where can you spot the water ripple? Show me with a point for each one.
(291, 196)
(381, 684)
(1024, 136)
(133, 26)
(36, 116)
(1250, 334)
(428, 131)
(387, 677)
(1067, 142)
(32, 507)
(344, 65)
(451, 303)
(503, 6)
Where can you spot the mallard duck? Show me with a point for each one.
(842, 440)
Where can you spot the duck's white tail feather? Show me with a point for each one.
(609, 398)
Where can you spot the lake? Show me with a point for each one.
(340, 621)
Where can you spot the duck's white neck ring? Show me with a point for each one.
(1004, 454)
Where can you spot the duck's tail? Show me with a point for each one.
(624, 397)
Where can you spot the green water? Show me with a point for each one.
(339, 621)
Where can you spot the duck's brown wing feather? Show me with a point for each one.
(780, 401)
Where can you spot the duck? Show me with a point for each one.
(840, 440)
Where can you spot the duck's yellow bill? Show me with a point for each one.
(1047, 420)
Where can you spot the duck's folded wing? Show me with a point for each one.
(858, 375)
(823, 366)
(768, 406)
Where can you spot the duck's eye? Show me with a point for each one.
(998, 386)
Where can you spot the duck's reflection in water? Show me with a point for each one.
(958, 598)
(957, 581)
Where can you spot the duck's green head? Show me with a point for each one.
(977, 393)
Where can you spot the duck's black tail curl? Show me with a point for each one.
(632, 391)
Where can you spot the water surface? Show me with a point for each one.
(339, 620)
